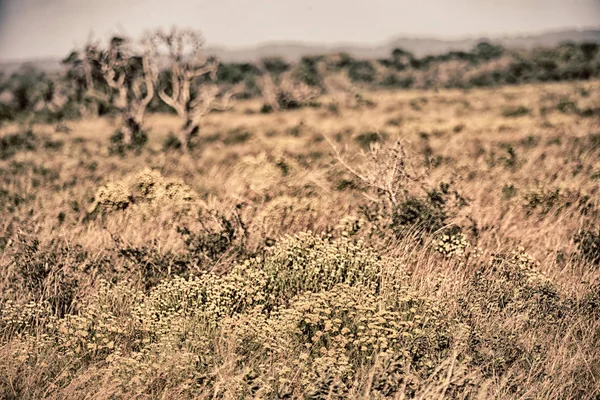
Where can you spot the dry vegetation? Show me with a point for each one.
(458, 257)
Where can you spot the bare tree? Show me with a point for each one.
(83, 70)
(193, 91)
(130, 77)
(120, 76)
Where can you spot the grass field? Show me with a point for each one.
(457, 257)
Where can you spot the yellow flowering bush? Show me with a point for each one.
(307, 262)
(333, 303)
(329, 335)
(312, 314)
(147, 188)
(18, 318)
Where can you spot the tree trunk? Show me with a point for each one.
(188, 131)
(131, 128)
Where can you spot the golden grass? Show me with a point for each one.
(204, 283)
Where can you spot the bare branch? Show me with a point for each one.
(384, 169)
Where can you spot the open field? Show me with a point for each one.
(260, 266)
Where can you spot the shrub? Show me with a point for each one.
(565, 106)
(516, 112)
(510, 160)
(266, 109)
(512, 285)
(307, 71)
(6, 113)
(171, 142)
(393, 81)
(237, 136)
(541, 199)
(234, 73)
(365, 139)
(362, 71)
(509, 191)
(591, 301)
(335, 332)
(139, 140)
(481, 79)
(486, 51)
(216, 238)
(588, 244)
(147, 189)
(11, 144)
(419, 213)
(47, 274)
(275, 65)
(504, 297)
(452, 246)
(386, 171)
(153, 265)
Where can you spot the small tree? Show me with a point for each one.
(401, 59)
(193, 92)
(485, 51)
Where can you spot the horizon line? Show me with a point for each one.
(400, 36)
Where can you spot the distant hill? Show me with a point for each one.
(43, 64)
(293, 51)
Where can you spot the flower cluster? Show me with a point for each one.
(452, 245)
(20, 318)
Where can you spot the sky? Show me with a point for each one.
(52, 28)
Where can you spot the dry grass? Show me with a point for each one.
(198, 280)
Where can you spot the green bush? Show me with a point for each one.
(11, 144)
(47, 273)
(566, 105)
(393, 81)
(486, 51)
(212, 242)
(423, 214)
(509, 288)
(275, 65)
(171, 142)
(591, 301)
(138, 141)
(365, 139)
(362, 71)
(307, 71)
(516, 112)
(588, 244)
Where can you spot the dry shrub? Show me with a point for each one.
(146, 190)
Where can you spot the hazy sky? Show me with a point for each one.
(50, 28)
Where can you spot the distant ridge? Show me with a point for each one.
(293, 51)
